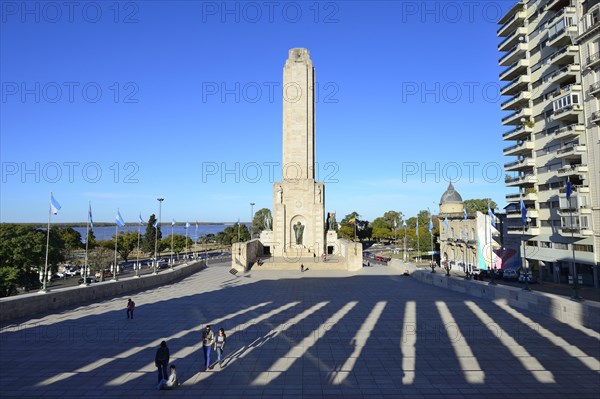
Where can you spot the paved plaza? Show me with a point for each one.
(370, 334)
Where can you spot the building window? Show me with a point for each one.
(532, 243)
(560, 245)
(584, 248)
(545, 244)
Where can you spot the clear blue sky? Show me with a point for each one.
(404, 87)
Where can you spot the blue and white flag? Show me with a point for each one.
(173, 222)
(54, 205)
(446, 223)
(90, 216)
(569, 190)
(430, 225)
(187, 225)
(417, 229)
(492, 217)
(465, 213)
(523, 212)
(140, 219)
(155, 223)
(404, 223)
(119, 219)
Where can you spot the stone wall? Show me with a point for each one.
(586, 313)
(244, 254)
(29, 304)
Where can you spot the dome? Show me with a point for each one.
(450, 196)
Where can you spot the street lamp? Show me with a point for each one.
(160, 200)
(525, 264)
(251, 217)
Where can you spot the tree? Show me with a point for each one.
(148, 240)
(258, 222)
(126, 243)
(91, 238)
(479, 205)
(179, 243)
(351, 226)
(71, 239)
(100, 258)
(22, 256)
(230, 234)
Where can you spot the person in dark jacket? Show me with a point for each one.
(161, 360)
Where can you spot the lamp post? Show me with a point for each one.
(160, 200)
(251, 217)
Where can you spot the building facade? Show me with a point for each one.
(465, 237)
(550, 49)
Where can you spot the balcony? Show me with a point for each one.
(516, 85)
(513, 39)
(575, 87)
(530, 231)
(519, 149)
(531, 213)
(595, 89)
(519, 165)
(593, 61)
(570, 113)
(512, 23)
(516, 102)
(571, 131)
(577, 230)
(518, 133)
(564, 56)
(563, 75)
(576, 189)
(516, 69)
(521, 180)
(526, 197)
(595, 117)
(513, 54)
(515, 117)
(590, 28)
(570, 151)
(563, 37)
(572, 170)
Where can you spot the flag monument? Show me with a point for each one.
(54, 208)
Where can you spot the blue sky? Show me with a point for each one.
(120, 103)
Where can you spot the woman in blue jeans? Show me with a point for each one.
(220, 345)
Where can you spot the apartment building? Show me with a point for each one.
(551, 51)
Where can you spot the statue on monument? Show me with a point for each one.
(319, 198)
(299, 231)
(331, 223)
(268, 221)
(280, 195)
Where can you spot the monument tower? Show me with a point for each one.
(296, 233)
(299, 200)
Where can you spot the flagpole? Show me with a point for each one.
(196, 242)
(172, 249)
(238, 230)
(186, 236)
(87, 241)
(44, 289)
(115, 275)
(492, 222)
(137, 266)
(575, 277)
(404, 241)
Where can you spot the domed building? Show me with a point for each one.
(464, 237)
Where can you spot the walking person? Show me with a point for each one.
(208, 340)
(130, 308)
(161, 360)
(220, 345)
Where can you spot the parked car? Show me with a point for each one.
(530, 279)
(107, 273)
(89, 280)
(510, 275)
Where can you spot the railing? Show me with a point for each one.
(510, 21)
(508, 53)
(594, 87)
(568, 147)
(595, 116)
(566, 128)
(593, 58)
(554, 74)
(572, 107)
(570, 168)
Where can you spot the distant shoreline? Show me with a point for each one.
(105, 224)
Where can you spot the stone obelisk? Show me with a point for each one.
(299, 200)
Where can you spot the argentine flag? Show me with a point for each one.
(54, 205)
(119, 219)
(523, 212)
(492, 217)
(90, 216)
(465, 213)
(187, 225)
(173, 222)
(430, 225)
(140, 219)
(155, 223)
(417, 229)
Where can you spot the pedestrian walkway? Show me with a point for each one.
(331, 334)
